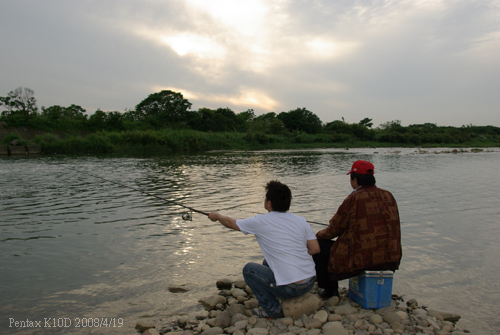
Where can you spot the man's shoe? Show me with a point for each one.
(327, 294)
(262, 313)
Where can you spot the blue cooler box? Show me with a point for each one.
(371, 289)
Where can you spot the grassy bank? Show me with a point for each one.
(191, 141)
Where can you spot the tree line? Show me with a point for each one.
(170, 110)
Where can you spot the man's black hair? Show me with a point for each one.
(280, 196)
(363, 179)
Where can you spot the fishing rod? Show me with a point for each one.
(184, 216)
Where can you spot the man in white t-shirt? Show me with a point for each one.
(287, 242)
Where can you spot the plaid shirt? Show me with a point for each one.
(368, 230)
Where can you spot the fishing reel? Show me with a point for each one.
(187, 216)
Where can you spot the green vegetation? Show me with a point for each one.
(163, 123)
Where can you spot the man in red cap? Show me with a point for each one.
(367, 229)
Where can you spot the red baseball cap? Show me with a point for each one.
(362, 167)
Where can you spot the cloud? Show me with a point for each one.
(417, 61)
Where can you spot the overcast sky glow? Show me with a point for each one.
(411, 60)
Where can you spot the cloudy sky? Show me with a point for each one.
(416, 61)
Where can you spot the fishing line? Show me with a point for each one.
(186, 217)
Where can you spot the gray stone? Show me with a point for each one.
(321, 315)
(14, 142)
(252, 303)
(238, 317)
(287, 321)
(223, 320)
(333, 301)
(345, 309)
(313, 323)
(335, 317)
(224, 284)
(313, 332)
(240, 284)
(151, 331)
(213, 331)
(217, 299)
(144, 325)
(261, 323)
(334, 328)
(258, 331)
(236, 292)
(240, 325)
(435, 314)
(376, 319)
(236, 309)
(274, 331)
(202, 315)
(305, 304)
(206, 301)
(391, 318)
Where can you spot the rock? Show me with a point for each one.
(236, 309)
(240, 325)
(376, 319)
(14, 142)
(206, 301)
(333, 301)
(177, 289)
(261, 323)
(412, 304)
(334, 328)
(448, 316)
(217, 299)
(313, 323)
(151, 331)
(242, 299)
(225, 293)
(435, 314)
(335, 317)
(420, 312)
(287, 321)
(182, 322)
(252, 303)
(238, 317)
(224, 284)
(345, 309)
(144, 325)
(258, 331)
(248, 290)
(223, 320)
(384, 310)
(236, 292)
(213, 331)
(313, 332)
(321, 315)
(240, 284)
(391, 318)
(305, 304)
(202, 315)
(402, 315)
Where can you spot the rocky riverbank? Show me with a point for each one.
(229, 312)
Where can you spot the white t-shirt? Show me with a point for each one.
(282, 238)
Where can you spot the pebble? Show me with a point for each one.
(229, 312)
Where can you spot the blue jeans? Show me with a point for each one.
(260, 278)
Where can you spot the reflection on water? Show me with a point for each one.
(73, 245)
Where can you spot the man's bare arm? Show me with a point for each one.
(226, 221)
(313, 247)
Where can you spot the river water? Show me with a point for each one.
(75, 247)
